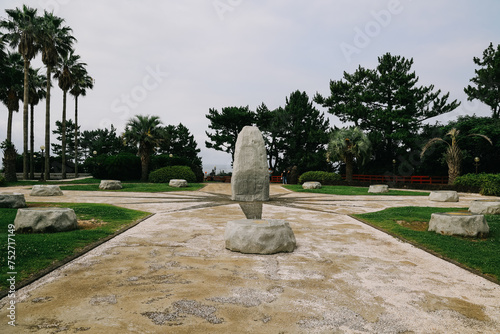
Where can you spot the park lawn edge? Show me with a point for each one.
(78, 253)
(425, 249)
(392, 191)
(95, 187)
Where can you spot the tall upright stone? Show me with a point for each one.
(250, 180)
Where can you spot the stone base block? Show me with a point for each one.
(459, 223)
(42, 220)
(443, 196)
(110, 185)
(12, 200)
(255, 236)
(378, 188)
(46, 190)
(485, 207)
(178, 183)
(311, 185)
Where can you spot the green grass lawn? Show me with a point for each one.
(35, 252)
(411, 223)
(135, 187)
(352, 191)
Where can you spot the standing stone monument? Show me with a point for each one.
(250, 180)
(250, 184)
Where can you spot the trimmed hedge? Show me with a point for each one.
(3, 183)
(123, 166)
(488, 184)
(165, 174)
(321, 177)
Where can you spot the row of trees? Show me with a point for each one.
(28, 35)
(388, 110)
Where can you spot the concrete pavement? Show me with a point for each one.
(172, 274)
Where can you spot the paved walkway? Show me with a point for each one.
(172, 274)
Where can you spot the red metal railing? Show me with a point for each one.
(400, 179)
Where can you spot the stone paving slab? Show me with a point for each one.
(172, 274)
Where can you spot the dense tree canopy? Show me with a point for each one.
(487, 80)
(388, 103)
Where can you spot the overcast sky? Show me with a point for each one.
(177, 59)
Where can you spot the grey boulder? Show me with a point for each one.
(178, 183)
(485, 207)
(311, 185)
(41, 220)
(110, 185)
(12, 200)
(443, 196)
(46, 190)
(458, 223)
(256, 236)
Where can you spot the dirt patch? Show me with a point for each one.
(414, 225)
(90, 224)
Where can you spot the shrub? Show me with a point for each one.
(3, 183)
(487, 184)
(124, 166)
(321, 177)
(165, 174)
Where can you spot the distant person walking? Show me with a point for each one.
(283, 177)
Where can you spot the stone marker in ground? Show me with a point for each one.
(254, 236)
(378, 188)
(12, 200)
(41, 220)
(311, 185)
(250, 179)
(485, 206)
(110, 185)
(443, 196)
(46, 190)
(178, 183)
(459, 223)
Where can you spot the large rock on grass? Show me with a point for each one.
(178, 183)
(46, 190)
(378, 189)
(250, 180)
(311, 185)
(459, 223)
(443, 196)
(110, 185)
(42, 220)
(485, 207)
(256, 236)
(12, 200)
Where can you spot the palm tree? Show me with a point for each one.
(453, 153)
(12, 90)
(146, 132)
(37, 86)
(56, 41)
(64, 74)
(22, 31)
(347, 145)
(82, 82)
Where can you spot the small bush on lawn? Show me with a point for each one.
(488, 184)
(319, 176)
(165, 174)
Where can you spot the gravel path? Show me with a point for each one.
(172, 274)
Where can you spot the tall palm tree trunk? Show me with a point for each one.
(76, 136)
(348, 167)
(144, 168)
(47, 127)
(9, 125)
(63, 138)
(32, 143)
(25, 119)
